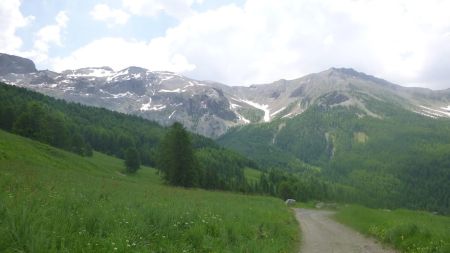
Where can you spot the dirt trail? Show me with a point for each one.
(321, 234)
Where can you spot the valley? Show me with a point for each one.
(334, 136)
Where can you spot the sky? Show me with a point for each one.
(238, 42)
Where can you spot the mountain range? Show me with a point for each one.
(211, 108)
(372, 141)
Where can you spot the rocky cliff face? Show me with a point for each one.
(14, 64)
(211, 108)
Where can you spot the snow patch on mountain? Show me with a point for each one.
(91, 72)
(278, 111)
(234, 106)
(172, 91)
(242, 118)
(165, 78)
(118, 74)
(264, 108)
(120, 95)
(170, 116)
(427, 111)
(146, 106)
(446, 108)
(157, 108)
(68, 89)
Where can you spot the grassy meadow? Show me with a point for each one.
(408, 231)
(56, 201)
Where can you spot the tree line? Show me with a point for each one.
(185, 159)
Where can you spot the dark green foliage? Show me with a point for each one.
(81, 129)
(208, 167)
(398, 159)
(37, 121)
(285, 190)
(176, 158)
(30, 122)
(222, 169)
(254, 115)
(303, 186)
(132, 160)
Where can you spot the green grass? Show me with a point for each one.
(408, 231)
(55, 201)
(306, 205)
(252, 175)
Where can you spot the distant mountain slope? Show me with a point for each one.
(210, 108)
(397, 158)
(164, 97)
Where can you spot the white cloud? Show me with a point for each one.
(49, 35)
(119, 53)
(175, 8)
(103, 12)
(267, 40)
(11, 19)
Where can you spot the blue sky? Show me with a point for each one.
(238, 42)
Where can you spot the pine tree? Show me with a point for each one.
(132, 161)
(176, 158)
(29, 123)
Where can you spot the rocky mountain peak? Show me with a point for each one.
(211, 108)
(15, 64)
(349, 73)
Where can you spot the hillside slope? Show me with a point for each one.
(55, 201)
(80, 129)
(399, 158)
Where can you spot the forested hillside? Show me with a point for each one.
(395, 158)
(80, 129)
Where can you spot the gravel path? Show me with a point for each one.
(321, 234)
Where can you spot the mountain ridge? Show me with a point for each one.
(211, 108)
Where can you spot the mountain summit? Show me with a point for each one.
(14, 64)
(211, 108)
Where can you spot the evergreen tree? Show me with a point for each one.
(285, 190)
(176, 158)
(132, 161)
(29, 123)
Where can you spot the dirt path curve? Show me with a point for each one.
(321, 234)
